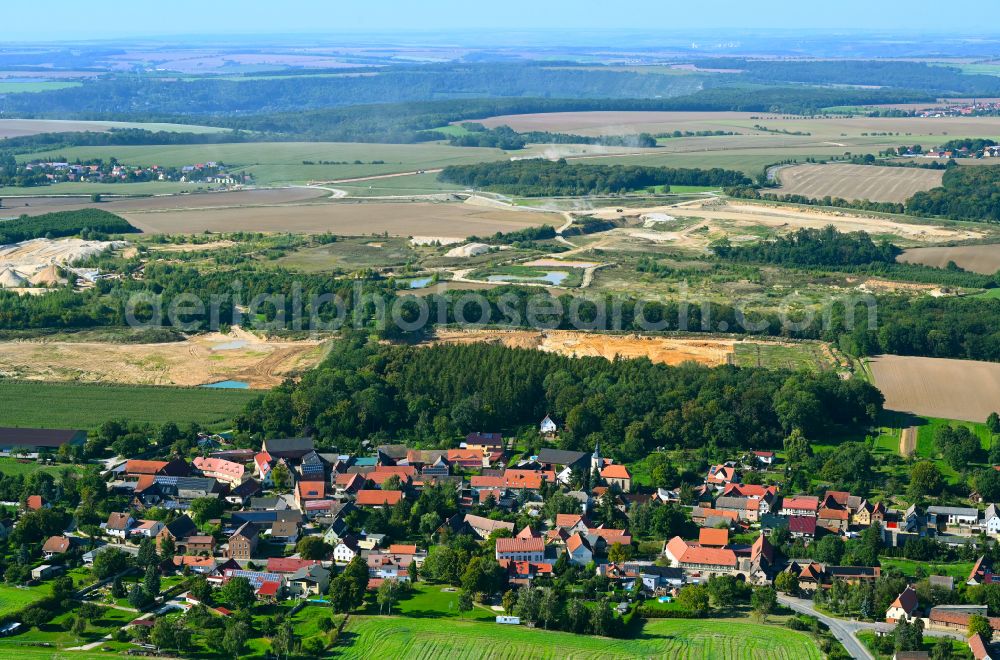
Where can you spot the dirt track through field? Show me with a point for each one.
(938, 387)
(851, 182)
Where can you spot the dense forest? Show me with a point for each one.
(966, 193)
(903, 75)
(825, 246)
(414, 121)
(91, 223)
(370, 391)
(538, 177)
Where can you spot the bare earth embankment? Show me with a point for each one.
(198, 361)
(983, 259)
(938, 387)
(871, 182)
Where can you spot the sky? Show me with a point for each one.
(57, 20)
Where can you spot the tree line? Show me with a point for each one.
(64, 223)
(367, 391)
(966, 193)
(825, 246)
(538, 177)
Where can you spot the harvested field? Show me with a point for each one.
(871, 182)
(451, 220)
(938, 387)
(196, 201)
(200, 360)
(19, 127)
(983, 259)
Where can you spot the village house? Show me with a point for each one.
(835, 521)
(713, 538)
(800, 506)
(147, 528)
(991, 520)
(486, 442)
(745, 508)
(940, 517)
(309, 490)
(903, 608)
(579, 550)
(764, 458)
(802, 527)
(703, 560)
(55, 545)
(720, 475)
(119, 525)
(308, 581)
(200, 543)
(243, 542)
(378, 498)
(617, 475)
(178, 530)
(346, 550)
(222, 470)
(982, 572)
(547, 427)
(287, 448)
(200, 565)
(520, 549)
(483, 527)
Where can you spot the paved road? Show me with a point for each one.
(842, 629)
(846, 630)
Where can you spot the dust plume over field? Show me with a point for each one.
(200, 360)
(451, 220)
(878, 184)
(937, 387)
(983, 259)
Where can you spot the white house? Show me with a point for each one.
(520, 549)
(148, 528)
(991, 520)
(903, 608)
(345, 551)
(547, 426)
(580, 552)
(952, 516)
(119, 525)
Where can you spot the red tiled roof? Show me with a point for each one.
(135, 466)
(616, 471)
(696, 554)
(35, 502)
(749, 490)
(378, 497)
(57, 544)
(833, 514)
(802, 525)
(401, 549)
(220, 466)
(517, 544)
(567, 519)
(713, 537)
(268, 588)
(575, 541)
(805, 503)
(978, 647)
(311, 490)
(288, 564)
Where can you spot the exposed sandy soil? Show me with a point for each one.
(235, 199)
(663, 350)
(908, 441)
(983, 259)
(197, 361)
(741, 214)
(937, 387)
(450, 220)
(878, 184)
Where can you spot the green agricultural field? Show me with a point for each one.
(396, 637)
(958, 570)
(71, 405)
(282, 162)
(409, 185)
(350, 254)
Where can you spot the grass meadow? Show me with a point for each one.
(398, 637)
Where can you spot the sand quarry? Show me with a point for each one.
(38, 262)
(721, 216)
(200, 360)
(663, 350)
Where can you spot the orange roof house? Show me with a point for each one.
(378, 497)
(708, 536)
